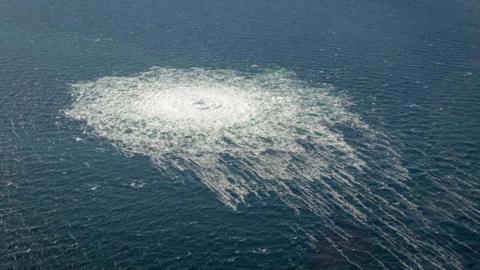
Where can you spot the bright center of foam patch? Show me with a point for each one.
(197, 107)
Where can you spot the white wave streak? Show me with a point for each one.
(247, 135)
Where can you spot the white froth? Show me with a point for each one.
(199, 111)
(196, 107)
(256, 134)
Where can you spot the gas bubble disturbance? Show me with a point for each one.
(247, 135)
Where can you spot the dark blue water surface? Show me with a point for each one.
(410, 69)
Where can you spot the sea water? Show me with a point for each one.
(234, 135)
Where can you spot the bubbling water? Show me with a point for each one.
(200, 111)
(250, 135)
(196, 107)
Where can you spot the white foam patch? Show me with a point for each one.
(203, 116)
(260, 134)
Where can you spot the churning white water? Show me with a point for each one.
(259, 134)
(203, 116)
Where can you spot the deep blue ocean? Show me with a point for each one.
(215, 134)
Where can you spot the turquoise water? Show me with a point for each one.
(239, 135)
